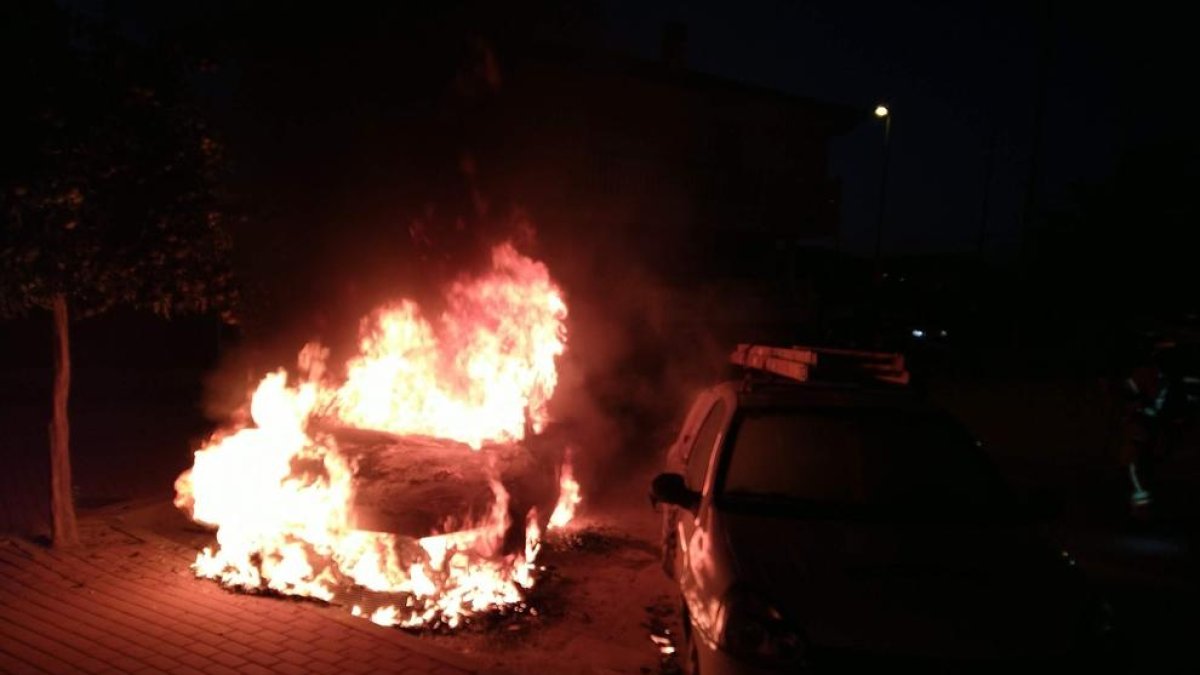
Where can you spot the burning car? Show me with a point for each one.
(408, 485)
(821, 516)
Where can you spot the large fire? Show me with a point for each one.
(280, 493)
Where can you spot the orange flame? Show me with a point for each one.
(491, 364)
(280, 493)
(568, 497)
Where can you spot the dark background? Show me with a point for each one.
(694, 174)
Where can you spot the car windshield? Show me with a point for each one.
(860, 460)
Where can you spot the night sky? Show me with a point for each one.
(955, 75)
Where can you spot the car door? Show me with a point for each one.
(677, 461)
(696, 571)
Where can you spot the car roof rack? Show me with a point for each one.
(799, 362)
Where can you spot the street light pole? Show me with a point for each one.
(883, 113)
(989, 165)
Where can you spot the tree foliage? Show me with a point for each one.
(109, 183)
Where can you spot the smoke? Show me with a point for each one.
(409, 188)
(633, 363)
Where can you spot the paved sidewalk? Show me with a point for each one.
(126, 602)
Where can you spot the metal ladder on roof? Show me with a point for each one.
(798, 362)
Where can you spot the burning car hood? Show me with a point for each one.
(407, 485)
(949, 591)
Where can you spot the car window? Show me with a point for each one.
(702, 449)
(691, 425)
(872, 458)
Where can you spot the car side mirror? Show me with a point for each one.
(669, 488)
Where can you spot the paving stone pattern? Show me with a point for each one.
(127, 603)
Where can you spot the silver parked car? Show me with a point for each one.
(848, 525)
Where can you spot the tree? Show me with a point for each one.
(109, 195)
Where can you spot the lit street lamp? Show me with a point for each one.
(882, 112)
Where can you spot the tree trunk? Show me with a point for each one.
(63, 529)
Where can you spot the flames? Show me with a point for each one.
(280, 493)
(479, 375)
(568, 497)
